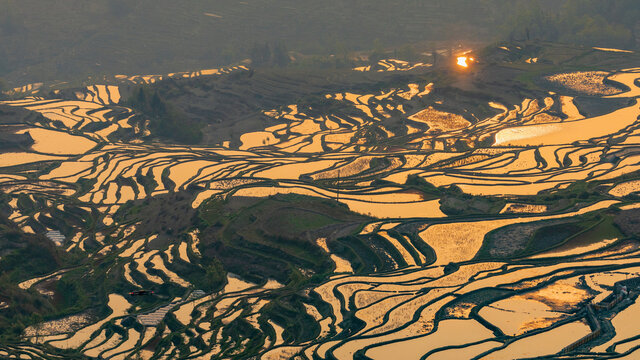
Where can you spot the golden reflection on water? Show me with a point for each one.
(462, 61)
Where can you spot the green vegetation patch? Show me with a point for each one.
(295, 221)
(603, 230)
(273, 237)
(453, 201)
(167, 121)
(629, 222)
(523, 239)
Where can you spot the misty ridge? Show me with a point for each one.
(68, 39)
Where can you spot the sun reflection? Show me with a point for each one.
(462, 61)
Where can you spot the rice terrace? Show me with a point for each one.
(474, 198)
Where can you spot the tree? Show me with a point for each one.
(407, 52)
(340, 50)
(260, 54)
(141, 98)
(378, 52)
(158, 107)
(280, 56)
(270, 55)
(583, 22)
(215, 274)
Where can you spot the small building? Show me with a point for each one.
(56, 237)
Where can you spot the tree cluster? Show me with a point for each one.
(269, 55)
(166, 120)
(582, 22)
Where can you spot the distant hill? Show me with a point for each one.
(72, 39)
(44, 41)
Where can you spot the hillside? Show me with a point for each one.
(395, 209)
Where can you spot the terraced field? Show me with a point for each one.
(400, 219)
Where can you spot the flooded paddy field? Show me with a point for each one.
(397, 216)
